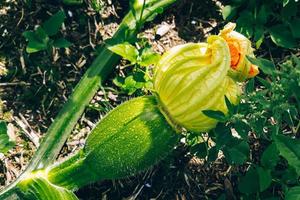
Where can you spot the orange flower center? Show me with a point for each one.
(235, 54)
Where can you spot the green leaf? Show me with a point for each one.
(228, 12)
(29, 35)
(265, 178)
(289, 115)
(248, 184)
(257, 179)
(5, 143)
(236, 154)
(242, 128)
(264, 82)
(126, 50)
(289, 11)
(289, 175)
(53, 24)
(61, 43)
(222, 197)
(270, 156)
(245, 23)
(258, 35)
(265, 65)
(199, 150)
(212, 154)
(295, 28)
(97, 5)
(259, 42)
(34, 46)
(250, 86)
(148, 57)
(37, 40)
(215, 114)
(230, 106)
(293, 193)
(131, 85)
(118, 81)
(38, 36)
(129, 81)
(285, 2)
(222, 135)
(282, 36)
(72, 2)
(42, 35)
(157, 11)
(263, 15)
(290, 149)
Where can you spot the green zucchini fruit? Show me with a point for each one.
(130, 139)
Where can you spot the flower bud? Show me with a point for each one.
(191, 78)
(239, 47)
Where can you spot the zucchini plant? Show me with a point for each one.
(140, 132)
(191, 82)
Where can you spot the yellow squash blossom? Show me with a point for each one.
(193, 77)
(239, 47)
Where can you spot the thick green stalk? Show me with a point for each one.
(67, 118)
(37, 187)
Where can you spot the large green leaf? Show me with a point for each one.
(265, 178)
(248, 183)
(290, 149)
(263, 15)
(257, 179)
(245, 23)
(270, 156)
(282, 36)
(237, 152)
(295, 27)
(293, 193)
(289, 11)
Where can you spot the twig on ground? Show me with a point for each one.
(22, 15)
(14, 84)
(29, 132)
(22, 61)
(90, 38)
